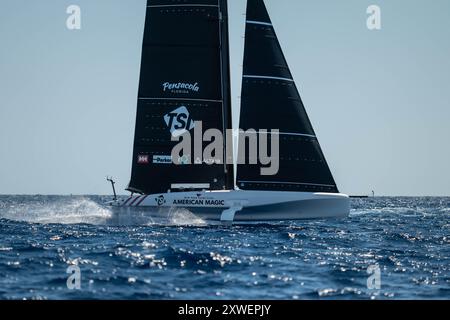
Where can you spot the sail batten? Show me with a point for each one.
(270, 100)
(183, 99)
(260, 23)
(267, 77)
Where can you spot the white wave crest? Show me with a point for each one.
(63, 211)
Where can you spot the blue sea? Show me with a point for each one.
(389, 248)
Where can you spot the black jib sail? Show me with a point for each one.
(184, 78)
(270, 100)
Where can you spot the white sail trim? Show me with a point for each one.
(267, 77)
(182, 99)
(285, 182)
(259, 132)
(289, 134)
(259, 22)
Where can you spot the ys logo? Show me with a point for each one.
(179, 121)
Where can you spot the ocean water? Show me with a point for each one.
(389, 248)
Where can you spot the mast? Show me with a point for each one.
(226, 90)
(270, 100)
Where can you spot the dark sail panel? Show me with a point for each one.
(184, 79)
(198, 67)
(270, 100)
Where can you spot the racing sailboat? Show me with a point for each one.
(185, 88)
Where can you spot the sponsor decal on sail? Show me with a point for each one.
(162, 159)
(143, 159)
(184, 160)
(180, 87)
(179, 121)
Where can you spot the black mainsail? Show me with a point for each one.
(270, 100)
(184, 78)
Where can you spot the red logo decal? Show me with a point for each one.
(143, 159)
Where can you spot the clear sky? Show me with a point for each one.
(379, 100)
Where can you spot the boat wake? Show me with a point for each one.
(179, 216)
(154, 217)
(84, 210)
(61, 211)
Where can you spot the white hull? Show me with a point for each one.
(240, 205)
